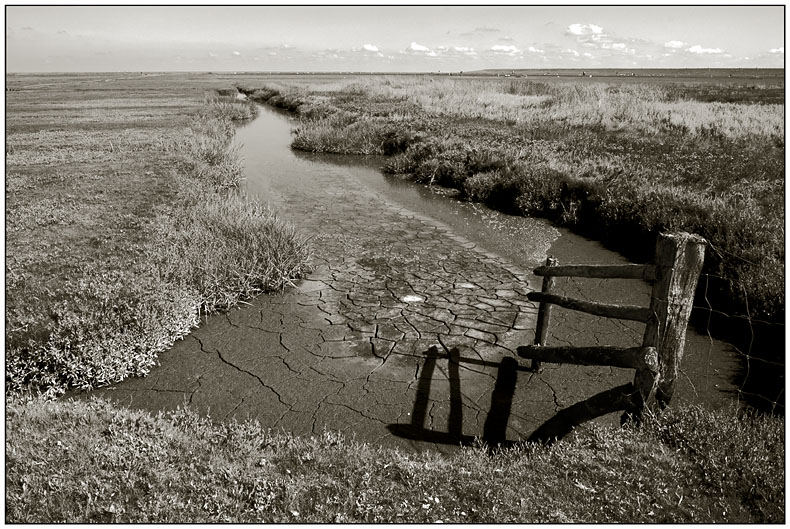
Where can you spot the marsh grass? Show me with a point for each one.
(139, 251)
(327, 128)
(89, 461)
(279, 96)
(645, 108)
(227, 249)
(342, 134)
(105, 326)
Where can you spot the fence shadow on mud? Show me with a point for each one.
(498, 415)
(495, 426)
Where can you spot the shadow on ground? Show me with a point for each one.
(495, 427)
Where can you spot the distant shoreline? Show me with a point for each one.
(601, 72)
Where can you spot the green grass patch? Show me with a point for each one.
(343, 134)
(89, 461)
(226, 249)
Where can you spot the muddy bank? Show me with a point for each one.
(405, 332)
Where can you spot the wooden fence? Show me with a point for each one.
(678, 263)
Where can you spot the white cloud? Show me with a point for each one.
(502, 48)
(533, 49)
(780, 49)
(585, 29)
(212, 55)
(674, 44)
(236, 53)
(588, 55)
(479, 31)
(572, 52)
(594, 37)
(370, 47)
(700, 50)
(466, 50)
(415, 48)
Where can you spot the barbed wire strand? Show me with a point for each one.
(710, 338)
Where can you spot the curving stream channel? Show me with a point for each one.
(405, 332)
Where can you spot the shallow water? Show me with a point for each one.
(404, 333)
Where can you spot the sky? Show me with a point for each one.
(394, 38)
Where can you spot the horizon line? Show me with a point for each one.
(394, 71)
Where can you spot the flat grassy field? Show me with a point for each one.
(122, 224)
(125, 226)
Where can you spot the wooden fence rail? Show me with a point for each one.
(620, 312)
(633, 357)
(626, 271)
(678, 263)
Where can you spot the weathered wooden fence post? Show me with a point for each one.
(678, 262)
(544, 312)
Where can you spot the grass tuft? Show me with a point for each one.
(93, 462)
(227, 249)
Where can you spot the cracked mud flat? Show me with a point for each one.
(405, 332)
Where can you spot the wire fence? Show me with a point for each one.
(730, 355)
(758, 343)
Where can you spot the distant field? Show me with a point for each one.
(706, 85)
(670, 75)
